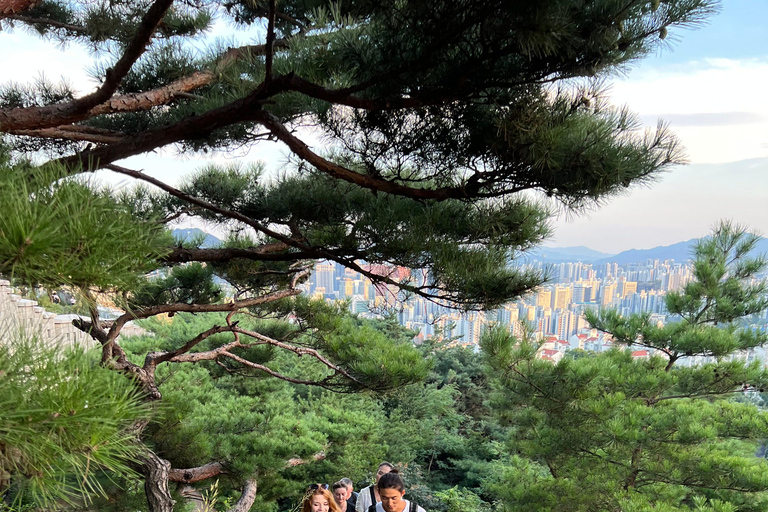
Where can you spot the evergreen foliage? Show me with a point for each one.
(66, 425)
(445, 125)
(611, 432)
(65, 233)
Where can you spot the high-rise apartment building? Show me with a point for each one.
(561, 297)
(582, 292)
(608, 293)
(325, 276)
(630, 288)
(544, 298)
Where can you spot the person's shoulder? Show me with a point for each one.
(363, 500)
(413, 507)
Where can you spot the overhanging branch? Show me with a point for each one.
(51, 116)
(196, 308)
(299, 351)
(42, 21)
(192, 475)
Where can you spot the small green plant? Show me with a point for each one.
(211, 497)
(462, 500)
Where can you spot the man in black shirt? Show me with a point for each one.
(351, 494)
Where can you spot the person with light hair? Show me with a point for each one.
(351, 494)
(370, 495)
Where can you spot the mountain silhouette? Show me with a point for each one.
(196, 234)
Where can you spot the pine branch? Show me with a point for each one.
(300, 149)
(264, 252)
(154, 358)
(192, 475)
(88, 328)
(345, 96)
(74, 132)
(10, 7)
(43, 21)
(190, 128)
(137, 102)
(299, 351)
(270, 42)
(292, 463)
(65, 113)
(208, 355)
(273, 373)
(248, 496)
(224, 352)
(235, 305)
(146, 100)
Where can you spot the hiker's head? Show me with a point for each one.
(347, 482)
(391, 489)
(319, 499)
(340, 493)
(384, 468)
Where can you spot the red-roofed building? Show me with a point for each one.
(550, 355)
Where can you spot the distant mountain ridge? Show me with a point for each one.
(565, 254)
(680, 252)
(187, 234)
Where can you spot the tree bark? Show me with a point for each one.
(14, 6)
(155, 472)
(191, 475)
(247, 498)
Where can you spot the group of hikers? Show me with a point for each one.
(385, 495)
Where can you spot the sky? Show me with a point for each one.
(709, 86)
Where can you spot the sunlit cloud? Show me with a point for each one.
(717, 107)
(709, 119)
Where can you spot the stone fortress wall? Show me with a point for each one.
(17, 313)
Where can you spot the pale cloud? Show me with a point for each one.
(717, 107)
(26, 58)
(685, 203)
(711, 119)
(721, 144)
(712, 85)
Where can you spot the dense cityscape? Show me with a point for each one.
(553, 314)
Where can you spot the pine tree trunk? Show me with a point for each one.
(155, 472)
(246, 500)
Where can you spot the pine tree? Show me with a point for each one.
(609, 432)
(444, 122)
(65, 422)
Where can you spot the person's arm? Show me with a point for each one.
(361, 505)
